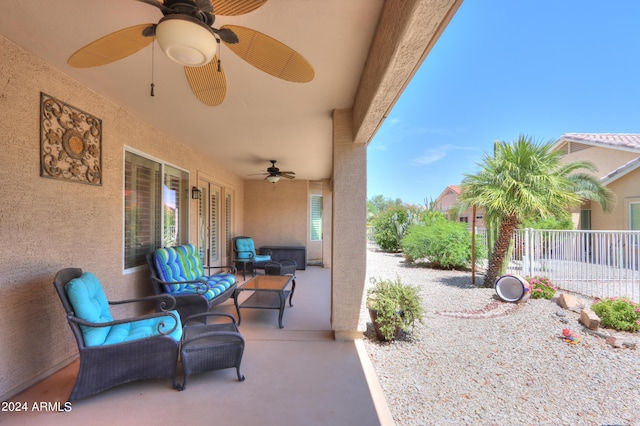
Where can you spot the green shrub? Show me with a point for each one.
(384, 232)
(444, 243)
(562, 222)
(414, 244)
(397, 306)
(541, 287)
(619, 313)
(391, 226)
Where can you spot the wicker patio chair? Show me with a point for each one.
(114, 352)
(245, 254)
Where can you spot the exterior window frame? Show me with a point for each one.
(315, 216)
(633, 204)
(160, 206)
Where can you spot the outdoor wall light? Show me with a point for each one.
(195, 193)
(186, 40)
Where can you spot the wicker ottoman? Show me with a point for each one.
(207, 347)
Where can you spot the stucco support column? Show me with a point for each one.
(349, 248)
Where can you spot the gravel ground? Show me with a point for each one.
(478, 361)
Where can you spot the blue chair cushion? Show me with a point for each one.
(245, 247)
(142, 329)
(89, 303)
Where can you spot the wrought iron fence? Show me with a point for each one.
(371, 242)
(593, 263)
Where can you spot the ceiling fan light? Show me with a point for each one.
(186, 40)
(273, 179)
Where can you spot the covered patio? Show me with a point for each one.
(298, 375)
(363, 53)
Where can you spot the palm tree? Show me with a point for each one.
(525, 179)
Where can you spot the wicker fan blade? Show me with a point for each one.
(207, 83)
(111, 48)
(235, 7)
(287, 176)
(270, 55)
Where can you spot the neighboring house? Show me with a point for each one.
(617, 158)
(447, 201)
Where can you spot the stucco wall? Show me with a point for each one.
(448, 200)
(627, 189)
(327, 224)
(349, 227)
(48, 224)
(605, 159)
(277, 214)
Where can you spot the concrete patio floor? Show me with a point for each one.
(298, 375)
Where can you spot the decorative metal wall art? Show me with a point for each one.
(70, 143)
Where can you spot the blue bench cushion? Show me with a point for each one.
(182, 263)
(89, 303)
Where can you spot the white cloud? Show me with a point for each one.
(432, 155)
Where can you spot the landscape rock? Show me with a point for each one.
(600, 333)
(570, 302)
(620, 342)
(512, 369)
(589, 319)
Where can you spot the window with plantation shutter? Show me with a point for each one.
(175, 200)
(215, 225)
(316, 218)
(155, 207)
(227, 227)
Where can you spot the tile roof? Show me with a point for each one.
(619, 140)
(621, 171)
(455, 188)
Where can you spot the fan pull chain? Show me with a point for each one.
(218, 52)
(153, 49)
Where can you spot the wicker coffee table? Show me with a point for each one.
(269, 292)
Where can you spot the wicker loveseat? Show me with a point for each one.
(179, 272)
(113, 352)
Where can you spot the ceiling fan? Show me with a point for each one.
(186, 35)
(273, 174)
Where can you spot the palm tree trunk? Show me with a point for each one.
(507, 225)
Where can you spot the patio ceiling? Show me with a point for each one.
(261, 118)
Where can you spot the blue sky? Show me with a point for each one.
(504, 68)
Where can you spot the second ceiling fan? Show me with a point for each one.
(187, 36)
(273, 174)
